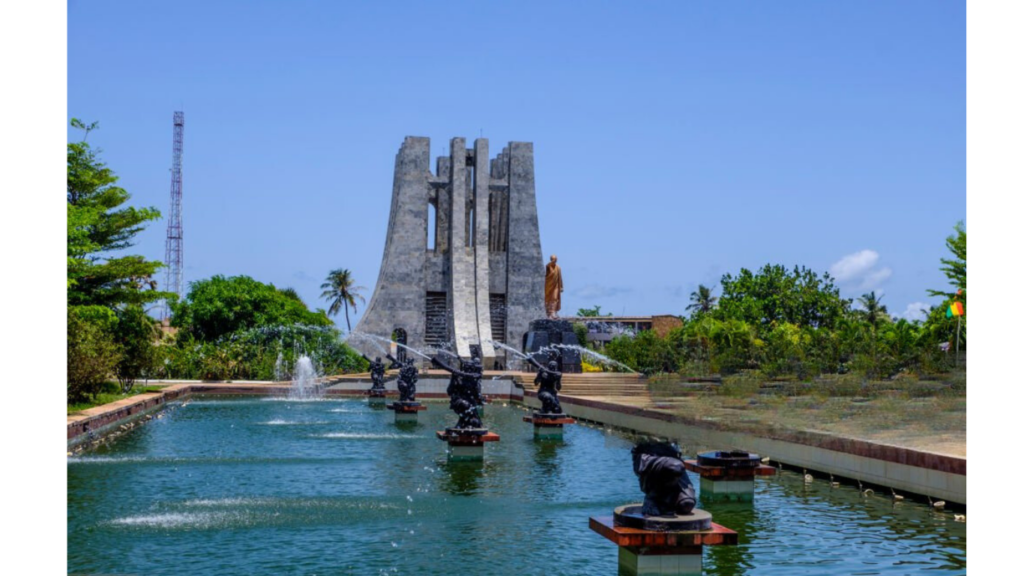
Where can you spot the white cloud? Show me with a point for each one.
(915, 311)
(875, 277)
(854, 265)
(857, 271)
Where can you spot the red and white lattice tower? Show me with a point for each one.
(175, 249)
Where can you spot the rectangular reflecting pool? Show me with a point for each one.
(273, 486)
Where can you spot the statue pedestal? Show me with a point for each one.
(376, 398)
(727, 476)
(406, 411)
(466, 444)
(661, 545)
(548, 426)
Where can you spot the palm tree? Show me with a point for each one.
(874, 310)
(702, 300)
(339, 291)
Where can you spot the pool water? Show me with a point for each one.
(272, 486)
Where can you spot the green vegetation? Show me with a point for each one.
(794, 324)
(238, 328)
(590, 312)
(339, 289)
(109, 392)
(219, 306)
(228, 328)
(702, 301)
(108, 330)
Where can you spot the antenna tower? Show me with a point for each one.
(175, 253)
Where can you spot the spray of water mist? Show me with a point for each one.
(305, 380)
(588, 352)
(389, 342)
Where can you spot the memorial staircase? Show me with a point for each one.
(604, 384)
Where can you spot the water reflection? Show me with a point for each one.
(211, 483)
(732, 560)
(462, 478)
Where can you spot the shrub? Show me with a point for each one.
(741, 385)
(844, 385)
(92, 353)
(134, 335)
(581, 332)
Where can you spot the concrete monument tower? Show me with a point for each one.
(483, 277)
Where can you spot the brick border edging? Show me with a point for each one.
(867, 449)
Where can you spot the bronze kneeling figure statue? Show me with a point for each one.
(667, 488)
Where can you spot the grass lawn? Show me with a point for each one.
(927, 416)
(111, 393)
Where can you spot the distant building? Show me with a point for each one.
(602, 329)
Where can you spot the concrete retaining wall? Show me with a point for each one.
(938, 476)
(504, 388)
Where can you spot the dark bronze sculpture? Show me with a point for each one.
(408, 375)
(376, 373)
(667, 489)
(550, 382)
(464, 391)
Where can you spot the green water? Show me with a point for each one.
(264, 486)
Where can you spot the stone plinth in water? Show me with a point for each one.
(466, 444)
(406, 411)
(548, 426)
(661, 544)
(727, 475)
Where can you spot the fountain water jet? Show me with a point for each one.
(389, 342)
(305, 380)
(597, 356)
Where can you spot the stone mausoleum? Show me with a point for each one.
(462, 262)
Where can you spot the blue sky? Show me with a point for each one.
(674, 142)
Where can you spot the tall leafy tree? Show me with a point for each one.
(341, 292)
(955, 268)
(108, 331)
(874, 312)
(98, 226)
(775, 294)
(701, 301)
(219, 306)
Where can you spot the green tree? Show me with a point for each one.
(874, 310)
(135, 336)
(219, 306)
(702, 301)
(99, 224)
(955, 268)
(291, 293)
(777, 295)
(92, 353)
(340, 291)
(590, 312)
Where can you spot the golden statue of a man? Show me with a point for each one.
(553, 288)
